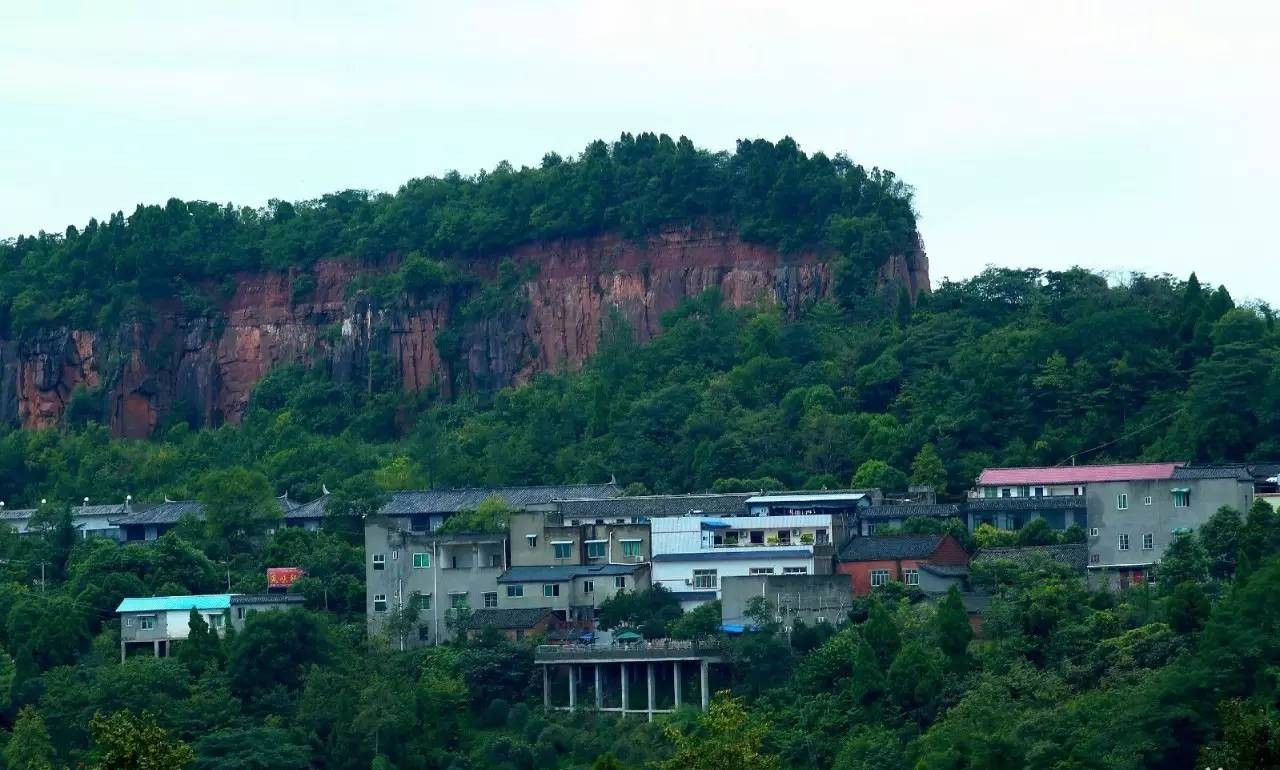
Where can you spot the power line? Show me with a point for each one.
(1071, 458)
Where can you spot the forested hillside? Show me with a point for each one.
(855, 387)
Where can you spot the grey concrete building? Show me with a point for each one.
(154, 623)
(812, 599)
(1131, 523)
(573, 591)
(544, 539)
(438, 578)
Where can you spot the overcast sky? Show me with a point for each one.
(1115, 135)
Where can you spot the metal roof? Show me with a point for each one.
(422, 501)
(809, 496)
(654, 506)
(738, 554)
(564, 573)
(173, 603)
(522, 617)
(890, 547)
(1077, 474)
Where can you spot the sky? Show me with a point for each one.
(1118, 136)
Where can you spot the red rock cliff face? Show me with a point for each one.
(206, 368)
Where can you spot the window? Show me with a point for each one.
(911, 577)
(879, 577)
(1122, 502)
(822, 537)
(551, 589)
(588, 586)
(1077, 491)
(620, 582)
(704, 578)
(988, 491)
(563, 549)
(532, 540)
(424, 633)
(421, 560)
(784, 537)
(515, 591)
(1181, 498)
(490, 599)
(757, 537)
(147, 622)
(1146, 500)
(819, 620)
(795, 570)
(631, 549)
(1123, 543)
(379, 602)
(1148, 541)
(458, 601)
(1093, 532)
(239, 613)
(379, 561)
(1037, 492)
(760, 570)
(1095, 558)
(424, 602)
(1006, 492)
(215, 621)
(595, 549)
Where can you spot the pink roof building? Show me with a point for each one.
(1076, 474)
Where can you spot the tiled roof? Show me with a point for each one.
(1049, 503)
(267, 599)
(454, 500)
(653, 506)
(1237, 472)
(946, 570)
(19, 514)
(16, 514)
(737, 554)
(890, 547)
(1074, 555)
(519, 618)
(168, 512)
(1077, 474)
(287, 503)
(564, 573)
(312, 510)
(907, 510)
(173, 603)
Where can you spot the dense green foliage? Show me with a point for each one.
(1011, 367)
(771, 192)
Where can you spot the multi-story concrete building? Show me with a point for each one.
(1132, 522)
(691, 554)
(441, 578)
(156, 622)
(1130, 511)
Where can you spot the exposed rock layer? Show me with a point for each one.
(205, 368)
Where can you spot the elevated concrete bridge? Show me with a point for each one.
(615, 669)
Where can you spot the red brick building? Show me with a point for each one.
(874, 561)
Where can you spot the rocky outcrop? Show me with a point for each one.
(203, 369)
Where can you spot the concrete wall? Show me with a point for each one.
(1159, 517)
(811, 598)
(461, 566)
(674, 573)
(546, 531)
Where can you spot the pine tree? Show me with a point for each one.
(202, 648)
(29, 746)
(927, 469)
(882, 634)
(951, 625)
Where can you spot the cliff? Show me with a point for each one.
(206, 366)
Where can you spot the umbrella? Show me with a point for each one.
(627, 636)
